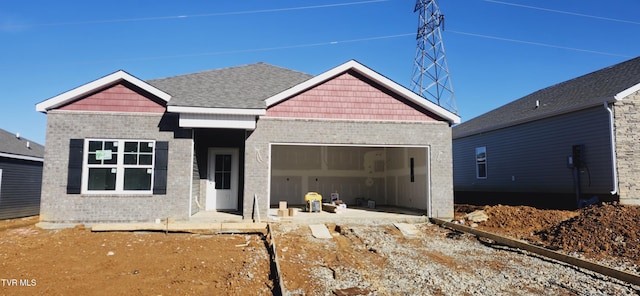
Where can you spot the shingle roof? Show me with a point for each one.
(585, 91)
(244, 87)
(10, 144)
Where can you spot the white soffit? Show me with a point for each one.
(373, 75)
(247, 122)
(110, 79)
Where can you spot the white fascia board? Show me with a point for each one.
(22, 157)
(627, 92)
(225, 111)
(85, 89)
(373, 75)
(189, 120)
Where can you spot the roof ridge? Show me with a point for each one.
(223, 69)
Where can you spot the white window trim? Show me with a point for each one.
(120, 166)
(486, 173)
(0, 182)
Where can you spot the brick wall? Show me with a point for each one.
(57, 206)
(436, 135)
(627, 134)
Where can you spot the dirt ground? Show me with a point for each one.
(79, 262)
(603, 231)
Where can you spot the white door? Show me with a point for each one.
(222, 181)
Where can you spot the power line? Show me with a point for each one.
(237, 51)
(539, 44)
(564, 12)
(143, 19)
(327, 43)
(270, 48)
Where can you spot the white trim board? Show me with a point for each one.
(247, 122)
(207, 110)
(625, 93)
(23, 157)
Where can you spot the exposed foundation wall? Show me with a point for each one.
(435, 135)
(627, 139)
(58, 206)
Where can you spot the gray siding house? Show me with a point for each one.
(558, 146)
(20, 176)
(240, 140)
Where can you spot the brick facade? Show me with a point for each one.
(627, 139)
(58, 206)
(349, 109)
(435, 134)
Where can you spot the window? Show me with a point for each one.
(124, 166)
(223, 171)
(481, 162)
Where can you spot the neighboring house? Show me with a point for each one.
(242, 139)
(569, 142)
(20, 176)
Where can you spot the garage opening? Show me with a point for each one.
(389, 176)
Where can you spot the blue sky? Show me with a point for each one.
(497, 51)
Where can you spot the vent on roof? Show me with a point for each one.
(28, 145)
(537, 104)
(18, 135)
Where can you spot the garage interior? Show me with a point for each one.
(389, 176)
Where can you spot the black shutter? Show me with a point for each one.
(74, 171)
(160, 169)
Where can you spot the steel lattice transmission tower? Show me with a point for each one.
(430, 77)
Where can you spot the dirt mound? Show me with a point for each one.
(520, 222)
(599, 231)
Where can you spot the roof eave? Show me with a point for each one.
(86, 89)
(21, 157)
(498, 126)
(627, 92)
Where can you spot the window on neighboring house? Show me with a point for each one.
(125, 166)
(481, 162)
(0, 182)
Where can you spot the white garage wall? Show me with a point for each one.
(381, 174)
(401, 190)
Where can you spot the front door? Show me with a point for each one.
(222, 181)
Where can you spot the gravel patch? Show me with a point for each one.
(379, 260)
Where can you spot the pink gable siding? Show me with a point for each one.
(348, 97)
(118, 98)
